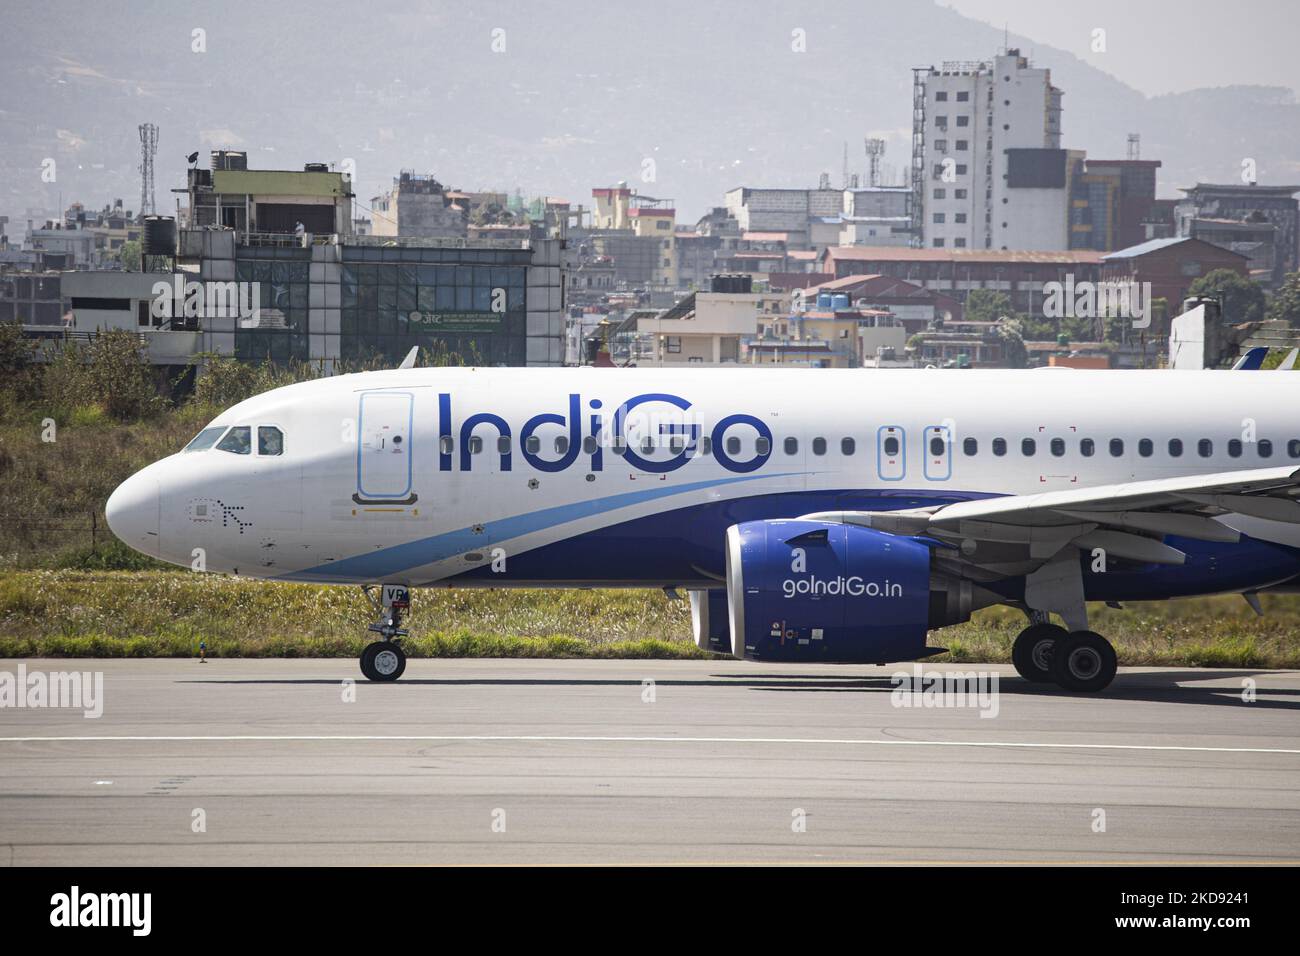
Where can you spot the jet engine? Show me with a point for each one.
(800, 590)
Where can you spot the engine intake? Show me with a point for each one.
(802, 590)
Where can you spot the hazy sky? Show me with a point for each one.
(1163, 46)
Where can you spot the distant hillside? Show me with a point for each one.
(584, 93)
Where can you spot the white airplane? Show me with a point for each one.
(811, 515)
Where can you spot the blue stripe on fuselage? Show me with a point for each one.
(391, 562)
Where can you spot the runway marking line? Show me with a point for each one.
(556, 738)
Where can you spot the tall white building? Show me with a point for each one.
(988, 168)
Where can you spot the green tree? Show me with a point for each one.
(1285, 306)
(130, 255)
(1014, 353)
(1243, 298)
(987, 305)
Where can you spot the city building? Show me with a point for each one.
(809, 217)
(1113, 205)
(1022, 275)
(1245, 203)
(1170, 266)
(273, 201)
(988, 171)
(704, 328)
(418, 206)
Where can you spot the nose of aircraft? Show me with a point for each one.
(133, 513)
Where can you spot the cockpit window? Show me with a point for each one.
(205, 439)
(270, 440)
(238, 441)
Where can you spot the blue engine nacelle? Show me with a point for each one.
(814, 591)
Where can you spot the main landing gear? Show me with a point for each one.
(384, 660)
(1076, 660)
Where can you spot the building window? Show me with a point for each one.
(959, 193)
(940, 193)
(963, 97)
(942, 96)
(939, 217)
(963, 121)
(959, 217)
(672, 343)
(961, 169)
(938, 243)
(959, 242)
(963, 145)
(941, 145)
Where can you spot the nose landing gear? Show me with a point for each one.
(384, 660)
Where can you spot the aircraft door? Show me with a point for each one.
(891, 453)
(938, 452)
(384, 447)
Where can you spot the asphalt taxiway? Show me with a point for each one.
(512, 761)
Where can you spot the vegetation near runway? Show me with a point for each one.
(79, 613)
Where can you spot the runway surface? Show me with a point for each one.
(507, 761)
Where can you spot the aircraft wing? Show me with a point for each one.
(999, 537)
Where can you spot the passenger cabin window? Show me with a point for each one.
(1293, 448)
(238, 441)
(208, 437)
(503, 444)
(589, 444)
(1234, 448)
(847, 446)
(270, 440)
(762, 446)
(1146, 447)
(447, 445)
(1028, 447)
(890, 446)
(619, 445)
(937, 446)
(970, 447)
(1205, 448)
(791, 446)
(533, 444)
(475, 445)
(1087, 447)
(706, 445)
(1116, 447)
(819, 446)
(999, 446)
(1265, 448)
(561, 444)
(1175, 448)
(647, 445)
(1058, 447)
(733, 445)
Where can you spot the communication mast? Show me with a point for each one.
(148, 149)
(875, 150)
(1134, 145)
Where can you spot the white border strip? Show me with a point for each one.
(556, 738)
